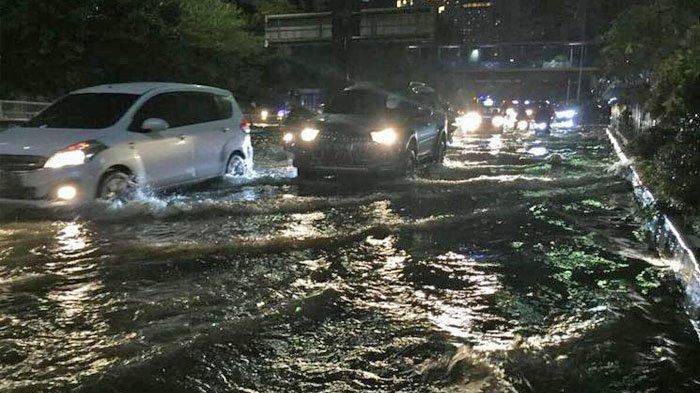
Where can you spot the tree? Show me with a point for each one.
(642, 37)
(675, 88)
(51, 47)
(270, 7)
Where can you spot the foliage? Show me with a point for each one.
(654, 50)
(642, 37)
(51, 47)
(676, 166)
(648, 142)
(269, 7)
(676, 88)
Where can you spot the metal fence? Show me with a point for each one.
(19, 111)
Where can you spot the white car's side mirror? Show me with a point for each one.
(154, 124)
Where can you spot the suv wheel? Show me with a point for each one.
(440, 149)
(116, 186)
(410, 162)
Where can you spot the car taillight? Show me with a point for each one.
(245, 125)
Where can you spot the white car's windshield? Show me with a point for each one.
(88, 110)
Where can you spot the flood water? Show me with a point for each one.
(521, 264)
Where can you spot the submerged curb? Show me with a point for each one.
(667, 237)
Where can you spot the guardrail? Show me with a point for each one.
(19, 111)
(676, 249)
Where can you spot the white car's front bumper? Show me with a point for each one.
(38, 188)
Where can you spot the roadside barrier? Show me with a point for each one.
(668, 238)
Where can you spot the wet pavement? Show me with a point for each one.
(521, 264)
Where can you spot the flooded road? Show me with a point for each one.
(521, 264)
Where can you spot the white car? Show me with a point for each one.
(105, 141)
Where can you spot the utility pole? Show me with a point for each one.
(345, 25)
(583, 8)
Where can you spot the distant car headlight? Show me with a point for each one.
(309, 134)
(387, 136)
(566, 114)
(264, 114)
(511, 112)
(541, 126)
(288, 137)
(522, 125)
(76, 154)
(498, 121)
(470, 122)
(529, 112)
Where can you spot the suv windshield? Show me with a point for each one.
(358, 102)
(90, 110)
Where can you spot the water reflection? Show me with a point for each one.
(270, 284)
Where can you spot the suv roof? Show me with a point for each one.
(143, 87)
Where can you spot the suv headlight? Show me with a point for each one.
(309, 134)
(76, 154)
(386, 136)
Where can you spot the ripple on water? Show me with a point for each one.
(498, 271)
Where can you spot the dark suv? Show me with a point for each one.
(366, 129)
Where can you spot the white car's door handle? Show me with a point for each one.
(225, 129)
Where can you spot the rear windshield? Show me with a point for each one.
(358, 102)
(90, 110)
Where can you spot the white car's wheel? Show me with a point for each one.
(237, 166)
(116, 186)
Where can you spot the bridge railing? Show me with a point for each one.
(20, 111)
(298, 28)
(546, 56)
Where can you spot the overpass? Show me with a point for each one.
(388, 44)
(17, 112)
(372, 25)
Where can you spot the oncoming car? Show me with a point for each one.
(479, 119)
(365, 129)
(105, 141)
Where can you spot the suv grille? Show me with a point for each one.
(342, 137)
(17, 163)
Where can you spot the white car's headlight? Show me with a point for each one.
(309, 134)
(386, 136)
(76, 154)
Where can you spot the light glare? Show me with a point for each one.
(309, 134)
(386, 136)
(470, 122)
(66, 158)
(66, 193)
